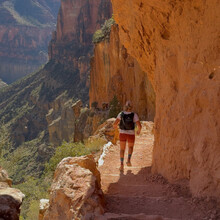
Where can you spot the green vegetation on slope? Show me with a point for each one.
(23, 108)
(24, 144)
(115, 107)
(37, 188)
(71, 150)
(29, 12)
(2, 84)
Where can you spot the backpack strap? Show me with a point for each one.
(122, 124)
(122, 118)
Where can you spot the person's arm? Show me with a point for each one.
(115, 125)
(138, 127)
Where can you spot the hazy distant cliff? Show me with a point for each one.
(25, 104)
(25, 31)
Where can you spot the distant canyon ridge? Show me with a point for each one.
(25, 31)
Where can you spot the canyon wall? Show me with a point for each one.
(25, 31)
(69, 121)
(115, 72)
(72, 41)
(25, 104)
(177, 43)
(71, 48)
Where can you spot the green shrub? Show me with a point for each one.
(36, 188)
(72, 150)
(95, 145)
(94, 104)
(65, 150)
(104, 32)
(5, 140)
(115, 107)
(33, 211)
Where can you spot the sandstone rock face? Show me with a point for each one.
(28, 50)
(61, 121)
(71, 43)
(5, 181)
(75, 191)
(69, 121)
(107, 131)
(87, 123)
(66, 72)
(115, 72)
(44, 205)
(77, 22)
(25, 31)
(177, 44)
(25, 104)
(10, 198)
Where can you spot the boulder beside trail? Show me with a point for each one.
(10, 198)
(75, 191)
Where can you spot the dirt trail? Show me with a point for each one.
(137, 194)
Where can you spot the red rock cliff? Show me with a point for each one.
(71, 44)
(76, 23)
(115, 72)
(177, 43)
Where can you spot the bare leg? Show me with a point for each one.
(122, 152)
(130, 151)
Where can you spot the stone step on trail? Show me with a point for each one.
(169, 207)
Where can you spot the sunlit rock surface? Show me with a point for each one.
(115, 72)
(75, 191)
(177, 44)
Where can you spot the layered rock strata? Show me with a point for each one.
(115, 72)
(70, 121)
(10, 198)
(177, 44)
(61, 120)
(24, 105)
(75, 191)
(25, 31)
(72, 41)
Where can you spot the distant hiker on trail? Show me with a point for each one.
(126, 120)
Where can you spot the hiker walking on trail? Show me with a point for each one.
(127, 120)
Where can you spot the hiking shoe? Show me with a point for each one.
(129, 163)
(121, 168)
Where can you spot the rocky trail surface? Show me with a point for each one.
(136, 193)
